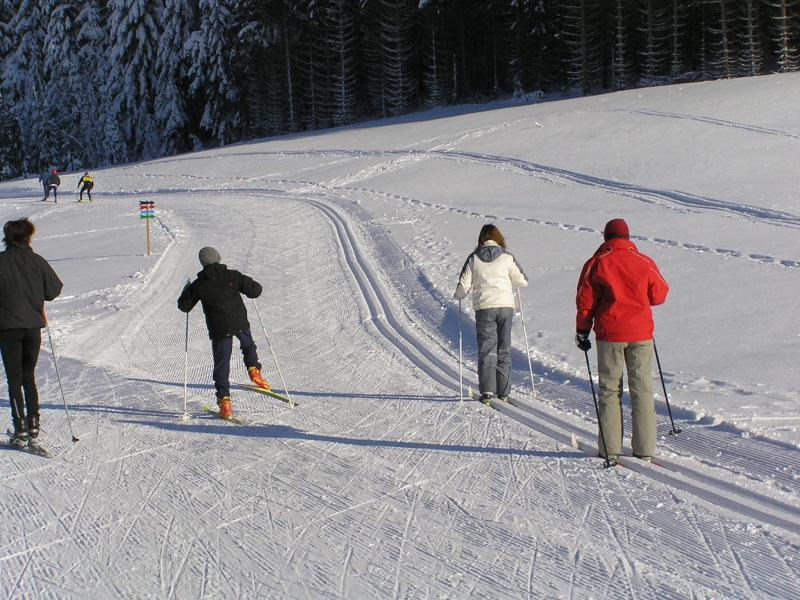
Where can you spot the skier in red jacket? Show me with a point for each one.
(616, 289)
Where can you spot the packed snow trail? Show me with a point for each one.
(749, 459)
(380, 485)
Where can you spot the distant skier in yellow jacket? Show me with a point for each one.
(86, 183)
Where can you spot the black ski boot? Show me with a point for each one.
(20, 436)
(33, 426)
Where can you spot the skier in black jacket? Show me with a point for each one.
(52, 185)
(26, 281)
(220, 290)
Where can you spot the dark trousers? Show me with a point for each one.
(493, 326)
(54, 189)
(223, 348)
(20, 350)
(85, 188)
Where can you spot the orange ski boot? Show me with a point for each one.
(225, 408)
(257, 379)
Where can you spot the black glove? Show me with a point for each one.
(582, 340)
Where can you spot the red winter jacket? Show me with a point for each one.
(618, 285)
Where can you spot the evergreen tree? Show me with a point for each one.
(341, 26)
(10, 144)
(374, 58)
(518, 23)
(171, 76)
(211, 73)
(721, 61)
(676, 13)
(290, 12)
(621, 66)
(92, 69)
(549, 51)
(751, 57)
(437, 75)
(400, 83)
(134, 35)
(60, 140)
(583, 42)
(784, 32)
(312, 67)
(6, 35)
(254, 27)
(23, 80)
(11, 163)
(654, 28)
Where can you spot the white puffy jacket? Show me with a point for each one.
(491, 272)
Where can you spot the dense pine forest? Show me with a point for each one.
(89, 83)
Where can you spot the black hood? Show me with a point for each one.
(489, 252)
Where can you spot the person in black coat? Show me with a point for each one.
(26, 281)
(52, 185)
(219, 290)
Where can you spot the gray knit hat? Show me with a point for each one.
(209, 256)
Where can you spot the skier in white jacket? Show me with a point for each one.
(491, 272)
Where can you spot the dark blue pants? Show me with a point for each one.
(493, 326)
(20, 351)
(223, 348)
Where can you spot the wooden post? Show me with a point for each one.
(147, 221)
(147, 211)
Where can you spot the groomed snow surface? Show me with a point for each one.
(381, 483)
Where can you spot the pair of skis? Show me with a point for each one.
(251, 388)
(620, 461)
(33, 446)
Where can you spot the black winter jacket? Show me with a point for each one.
(26, 281)
(219, 290)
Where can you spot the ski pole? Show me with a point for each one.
(527, 348)
(606, 462)
(58, 376)
(664, 387)
(186, 369)
(274, 358)
(460, 355)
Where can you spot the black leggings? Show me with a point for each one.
(88, 189)
(20, 351)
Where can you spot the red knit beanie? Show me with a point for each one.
(616, 228)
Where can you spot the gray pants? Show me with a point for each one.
(612, 359)
(493, 326)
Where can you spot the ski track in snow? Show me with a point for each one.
(707, 121)
(554, 175)
(749, 458)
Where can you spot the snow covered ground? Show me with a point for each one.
(381, 484)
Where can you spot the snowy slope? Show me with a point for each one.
(381, 484)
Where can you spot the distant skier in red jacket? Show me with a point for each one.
(616, 289)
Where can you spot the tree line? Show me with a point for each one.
(85, 83)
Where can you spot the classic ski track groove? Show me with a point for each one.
(382, 317)
(786, 517)
(706, 120)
